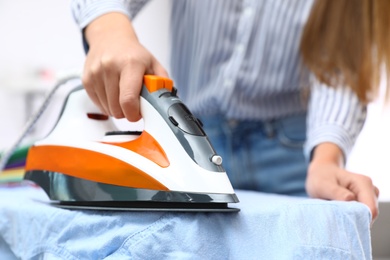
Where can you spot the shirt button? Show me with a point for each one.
(248, 11)
(240, 48)
(228, 83)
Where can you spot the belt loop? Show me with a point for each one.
(232, 123)
(269, 129)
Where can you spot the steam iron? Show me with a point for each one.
(86, 162)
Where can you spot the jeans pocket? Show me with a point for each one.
(292, 131)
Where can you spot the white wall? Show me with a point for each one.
(38, 34)
(36, 37)
(371, 154)
(41, 35)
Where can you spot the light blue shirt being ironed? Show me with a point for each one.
(240, 60)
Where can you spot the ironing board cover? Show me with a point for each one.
(267, 227)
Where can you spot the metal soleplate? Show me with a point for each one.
(146, 206)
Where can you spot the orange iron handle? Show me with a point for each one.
(154, 83)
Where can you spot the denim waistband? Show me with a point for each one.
(266, 126)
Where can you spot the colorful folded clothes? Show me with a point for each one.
(14, 170)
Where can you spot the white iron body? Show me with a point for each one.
(183, 176)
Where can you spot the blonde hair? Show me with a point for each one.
(346, 43)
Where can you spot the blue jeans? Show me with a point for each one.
(262, 156)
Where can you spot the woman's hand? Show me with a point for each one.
(328, 180)
(115, 66)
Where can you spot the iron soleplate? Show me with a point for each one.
(70, 192)
(145, 206)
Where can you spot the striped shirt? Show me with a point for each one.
(240, 60)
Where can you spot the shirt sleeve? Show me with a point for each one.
(335, 115)
(85, 11)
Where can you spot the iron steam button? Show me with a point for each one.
(174, 91)
(216, 159)
(173, 121)
(187, 122)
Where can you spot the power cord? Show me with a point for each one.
(33, 120)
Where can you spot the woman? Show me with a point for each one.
(236, 65)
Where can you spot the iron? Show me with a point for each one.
(87, 162)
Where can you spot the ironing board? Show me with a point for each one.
(267, 227)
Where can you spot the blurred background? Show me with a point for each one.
(40, 43)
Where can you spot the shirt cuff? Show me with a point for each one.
(330, 133)
(89, 12)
